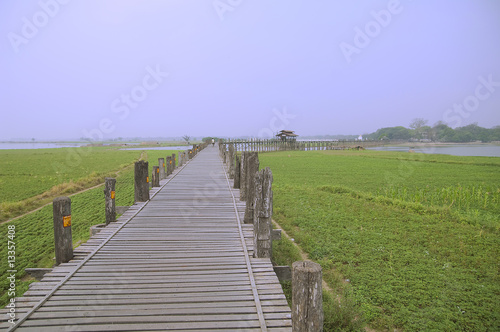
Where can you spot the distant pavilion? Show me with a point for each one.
(287, 136)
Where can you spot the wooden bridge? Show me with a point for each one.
(181, 261)
(267, 145)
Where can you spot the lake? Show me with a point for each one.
(35, 145)
(480, 150)
(182, 147)
(41, 145)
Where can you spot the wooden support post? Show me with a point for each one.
(190, 154)
(262, 214)
(168, 160)
(155, 177)
(62, 229)
(161, 165)
(307, 293)
(174, 161)
(242, 176)
(141, 181)
(231, 161)
(237, 170)
(252, 168)
(109, 196)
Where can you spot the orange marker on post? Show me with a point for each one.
(67, 221)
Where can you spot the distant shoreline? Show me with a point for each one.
(423, 144)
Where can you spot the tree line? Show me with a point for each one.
(440, 132)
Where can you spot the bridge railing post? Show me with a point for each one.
(161, 165)
(263, 211)
(237, 169)
(168, 160)
(109, 196)
(307, 293)
(174, 159)
(155, 176)
(252, 167)
(242, 176)
(62, 229)
(231, 161)
(141, 181)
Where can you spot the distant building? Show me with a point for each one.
(360, 138)
(287, 135)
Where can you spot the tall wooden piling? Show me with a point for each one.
(307, 293)
(252, 167)
(109, 196)
(161, 165)
(63, 241)
(242, 176)
(141, 181)
(169, 165)
(263, 211)
(174, 159)
(231, 161)
(224, 154)
(237, 169)
(155, 176)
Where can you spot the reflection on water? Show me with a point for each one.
(455, 150)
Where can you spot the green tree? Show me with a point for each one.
(417, 125)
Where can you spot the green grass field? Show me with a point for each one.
(31, 178)
(406, 241)
(391, 243)
(27, 173)
(34, 240)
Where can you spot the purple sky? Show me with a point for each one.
(128, 68)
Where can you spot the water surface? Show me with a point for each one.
(480, 150)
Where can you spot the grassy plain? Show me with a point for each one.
(34, 239)
(393, 240)
(32, 178)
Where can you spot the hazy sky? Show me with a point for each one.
(127, 68)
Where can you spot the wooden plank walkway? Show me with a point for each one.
(180, 262)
